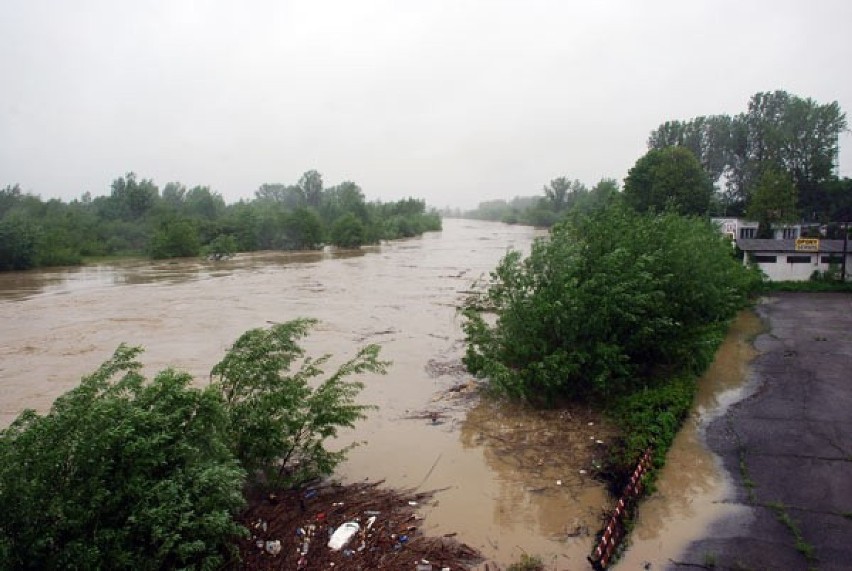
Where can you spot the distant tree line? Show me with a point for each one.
(775, 162)
(559, 197)
(138, 218)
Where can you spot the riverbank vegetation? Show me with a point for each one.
(560, 196)
(812, 286)
(130, 472)
(616, 308)
(139, 218)
(773, 163)
(626, 301)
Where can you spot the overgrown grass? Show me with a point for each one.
(802, 545)
(748, 483)
(649, 417)
(653, 415)
(809, 286)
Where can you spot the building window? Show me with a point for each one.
(747, 232)
(763, 259)
(799, 259)
(835, 259)
(790, 234)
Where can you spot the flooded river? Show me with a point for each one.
(509, 478)
(496, 465)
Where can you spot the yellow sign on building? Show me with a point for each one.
(807, 244)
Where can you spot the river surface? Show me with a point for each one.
(509, 480)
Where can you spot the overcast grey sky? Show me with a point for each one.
(453, 101)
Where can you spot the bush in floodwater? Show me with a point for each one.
(120, 473)
(279, 421)
(125, 472)
(604, 304)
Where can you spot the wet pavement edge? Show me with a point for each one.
(788, 446)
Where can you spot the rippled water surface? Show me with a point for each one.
(508, 477)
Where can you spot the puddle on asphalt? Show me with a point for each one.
(692, 487)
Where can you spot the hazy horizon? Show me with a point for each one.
(454, 102)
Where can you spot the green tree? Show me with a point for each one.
(200, 202)
(561, 193)
(779, 130)
(311, 187)
(773, 201)
(604, 192)
(288, 196)
(669, 176)
(131, 199)
(19, 239)
(281, 418)
(302, 230)
(9, 198)
(343, 198)
(175, 238)
(709, 139)
(603, 303)
(348, 231)
(122, 472)
(222, 246)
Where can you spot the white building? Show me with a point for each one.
(786, 257)
(794, 260)
(740, 229)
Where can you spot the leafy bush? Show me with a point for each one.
(221, 246)
(649, 417)
(348, 231)
(280, 422)
(18, 243)
(120, 473)
(604, 303)
(125, 472)
(176, 238)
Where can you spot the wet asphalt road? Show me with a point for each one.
(788, 446)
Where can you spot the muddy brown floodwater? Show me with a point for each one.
(692, 487)
(509, 477)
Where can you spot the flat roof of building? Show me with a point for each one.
(770, 245)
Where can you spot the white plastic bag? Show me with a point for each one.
(343, 534)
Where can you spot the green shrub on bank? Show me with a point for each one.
(124, 472)
(121, 473)
(649, 417)
(605, 305)
(279, 420)
(812, 286)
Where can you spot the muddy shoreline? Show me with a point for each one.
(293, 529)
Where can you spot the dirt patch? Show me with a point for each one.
(292, 530)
